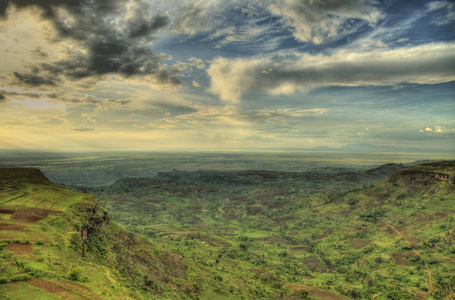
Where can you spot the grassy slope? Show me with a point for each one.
(288, 236)
(250, 238)
(41, 247)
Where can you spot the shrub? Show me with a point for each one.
(304, 294)
(3, 245)
(76, 274)
(75, 242)
(21, 277)
(3, 280)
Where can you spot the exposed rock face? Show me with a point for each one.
(427, 174)
(445, 177)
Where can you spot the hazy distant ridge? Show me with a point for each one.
(374, 148)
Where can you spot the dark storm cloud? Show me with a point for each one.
(83, 129)
(39, 53)
(192, 18)
(34, 80)
(141, 24)
(115, 37)
(49, 6)
(29, 95)
(2, 97)
(175, 109)
(93, 102)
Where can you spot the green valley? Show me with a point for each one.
(249, 234)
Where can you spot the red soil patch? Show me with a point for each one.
(32, 215)
(252, 211)
(263, 275)
(298, 248)
(274, 205)
(427, 219)
(7, 211)
(439, 215)
(79, 288)
(229, 217)
(280, 240)
(319, 237)
(21, 249)
(54, 289)
(352, 230)
(220, 241)
(399, 259)
(359, 243)
(11, 227)
(315, 264)
(315, 292)
(282, 219)
(195, 208)
(173, 228)
(175, 266)
(238, 200)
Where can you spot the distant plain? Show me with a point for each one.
(104, 168)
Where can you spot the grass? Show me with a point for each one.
(232, 239)
(295, 218)
(23, 291)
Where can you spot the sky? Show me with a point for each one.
(103, 75)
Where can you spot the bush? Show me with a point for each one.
(76, 275)
(75, 242)
(304, 294)
(3, 280)
(21, 277)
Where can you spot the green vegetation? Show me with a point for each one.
(43, 254)
(300, 231)
(232, 235)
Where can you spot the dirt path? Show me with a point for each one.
(415, 250)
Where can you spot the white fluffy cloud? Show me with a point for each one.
(287, 73)
(439, 130)
(316, 21)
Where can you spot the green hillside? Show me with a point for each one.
(232, 235)
(43, 254)
(297, 231)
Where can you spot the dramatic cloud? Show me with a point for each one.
(35, 80)
(317, 21)
(82, 129)
(100, 74)
(192, 18)
(285, 74)
(101, 37)
(449, 17)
